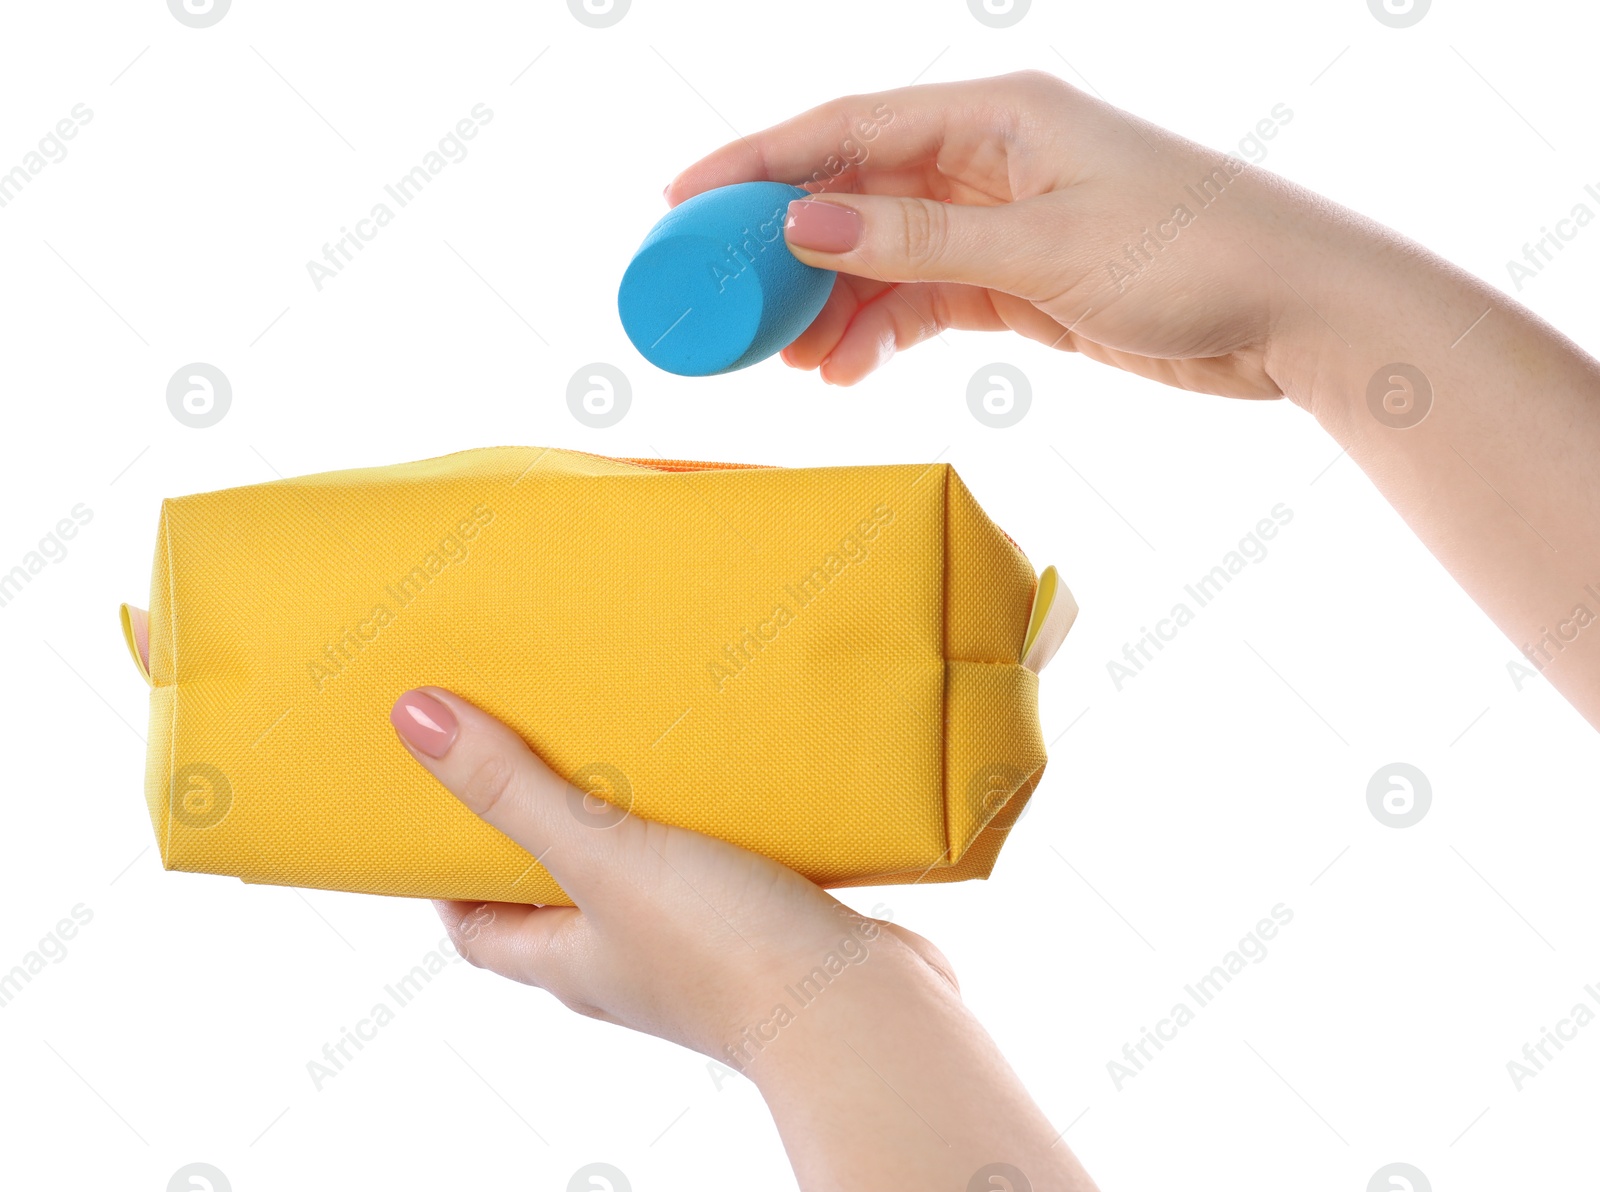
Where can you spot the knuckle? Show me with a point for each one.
(1036, 82)
(925, 233)
(582, 1005)
(841, 112)
(467, 936)
(552, 979)
(940, 964)
(489, 785)
(477, 923)
(1036, 78)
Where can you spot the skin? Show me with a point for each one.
(999, 205)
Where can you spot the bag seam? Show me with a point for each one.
(944, 675)
(172, 721)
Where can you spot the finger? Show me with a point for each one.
(890, 322)
(813, 344)
(864, 320)
(531, 944)
(494, 773)
(889, 130)
(1017, 248)
(799, 148)
(871, 322)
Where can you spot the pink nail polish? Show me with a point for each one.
(424, 723)
(822, 227)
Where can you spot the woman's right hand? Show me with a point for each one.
(1023, 203)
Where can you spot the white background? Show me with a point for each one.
(1228, 777)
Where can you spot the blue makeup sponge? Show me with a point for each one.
(714, 286)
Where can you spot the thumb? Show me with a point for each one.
(484, 763)
(895, 239)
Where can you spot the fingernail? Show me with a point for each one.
(665, 189)
(424, 723)
(822, 227)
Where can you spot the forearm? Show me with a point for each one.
(1499, 477)
(887, 1081)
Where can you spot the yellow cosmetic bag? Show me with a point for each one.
(834, 667)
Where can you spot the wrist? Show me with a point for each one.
(887, 1080)
(1367, 299)
(797, 1015)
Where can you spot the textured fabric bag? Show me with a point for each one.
(835, 667)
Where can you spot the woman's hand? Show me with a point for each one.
(852, 1029)
(675, 934)
(1021, 203)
